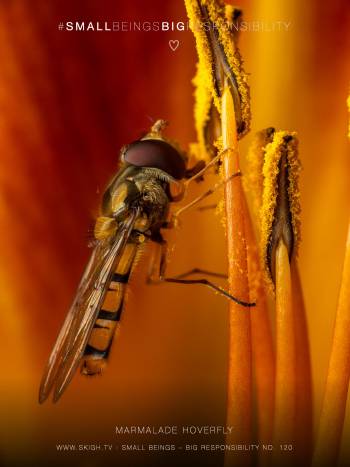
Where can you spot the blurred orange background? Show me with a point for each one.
(68, 102)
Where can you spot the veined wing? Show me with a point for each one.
(74, 335)
(73, 316)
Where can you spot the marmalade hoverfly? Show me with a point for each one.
(135, 208)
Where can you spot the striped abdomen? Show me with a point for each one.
(107, 323)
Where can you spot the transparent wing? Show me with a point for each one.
(74, 335)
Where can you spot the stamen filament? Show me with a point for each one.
(239, 393)
(334, 403)
(285, 401)
(262, 344)
(304, 400)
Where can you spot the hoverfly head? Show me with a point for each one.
(155, 150)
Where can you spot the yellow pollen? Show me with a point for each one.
(206, 92)
(273, 154)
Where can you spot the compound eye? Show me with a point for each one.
(158, 154)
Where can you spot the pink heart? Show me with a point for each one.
(174, 44)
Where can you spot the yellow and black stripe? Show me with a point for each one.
(107, 323)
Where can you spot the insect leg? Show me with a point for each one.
(200, 271)
(203, 196)
(212, 286)
(162, 254)
(199, 174)
(158, 261)
(196, 173)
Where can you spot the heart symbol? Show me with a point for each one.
(174, 44)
